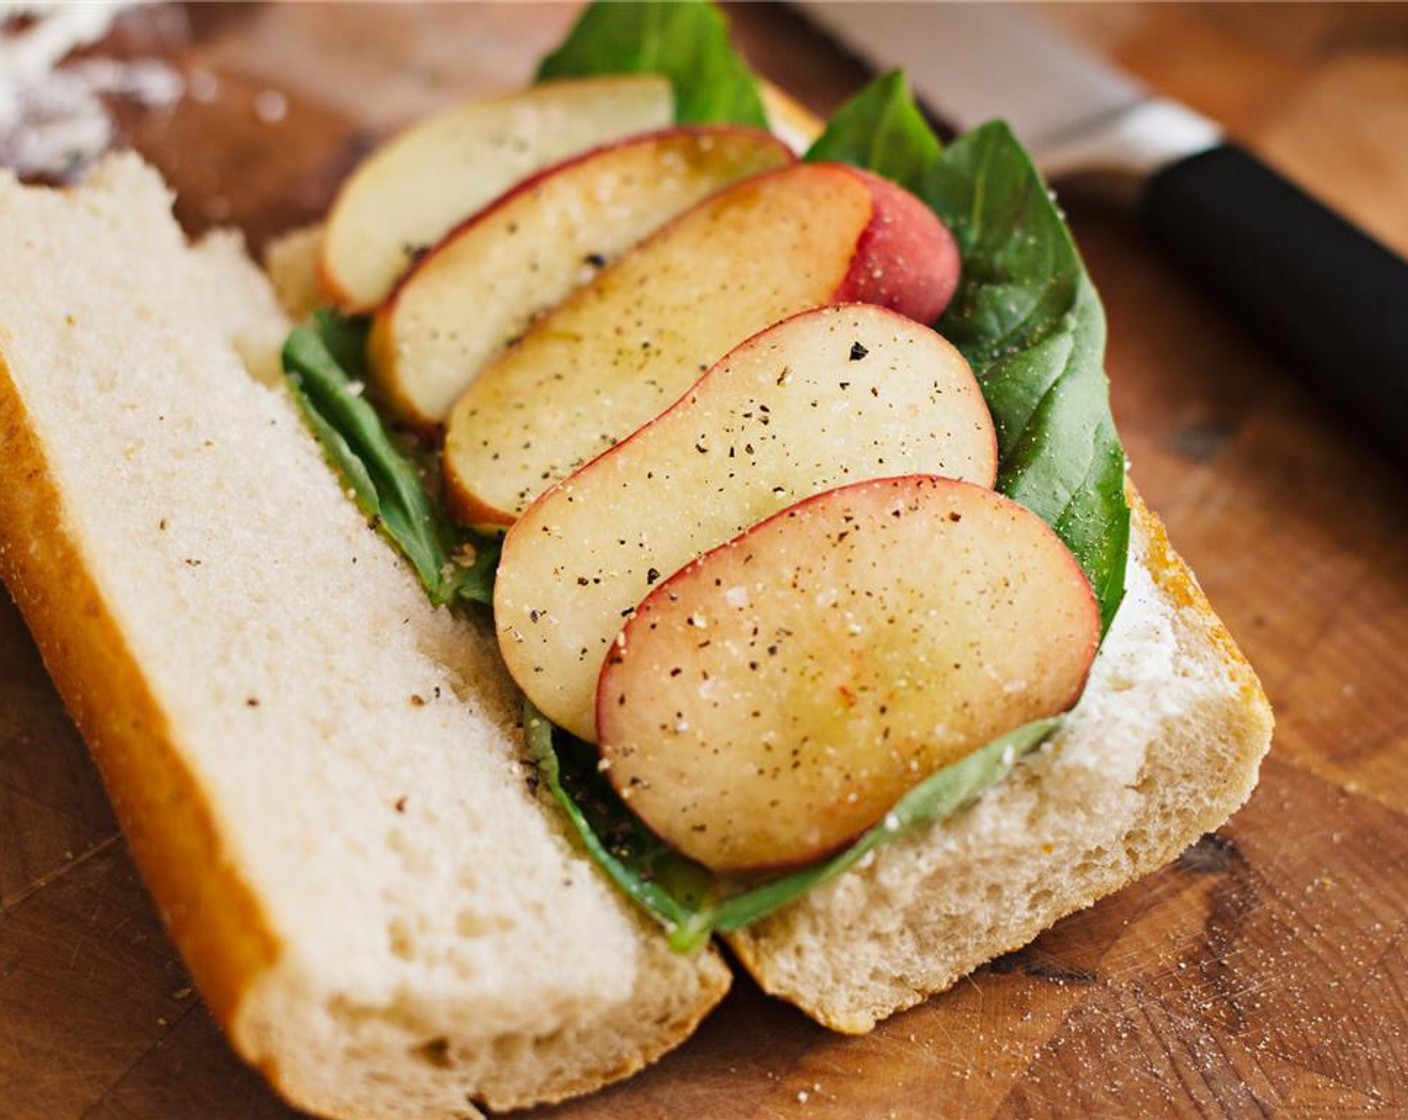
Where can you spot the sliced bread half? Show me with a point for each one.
(320, 775)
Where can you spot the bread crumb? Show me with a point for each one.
(270, 106)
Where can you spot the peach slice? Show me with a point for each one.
(621, 349)
(772, 700)
(480, 288)
(830, 396)
(413, 190)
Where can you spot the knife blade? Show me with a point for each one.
(980, 62)
(1314, 287)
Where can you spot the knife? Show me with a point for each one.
(1315, 288)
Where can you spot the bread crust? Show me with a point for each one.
(291, 263)
(209, 909)
(594, 1054)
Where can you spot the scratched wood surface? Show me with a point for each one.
(1263, 974)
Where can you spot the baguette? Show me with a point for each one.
(340, 832)
(319, 774)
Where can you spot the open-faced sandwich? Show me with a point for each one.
(670, 519)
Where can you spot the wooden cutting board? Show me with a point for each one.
(1263, 974)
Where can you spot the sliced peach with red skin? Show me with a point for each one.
(775, 698)
(418, 186)
(478, 290)
(630, 343)
(833, 395)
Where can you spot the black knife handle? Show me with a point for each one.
(1327, 297)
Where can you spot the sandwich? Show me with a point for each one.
(293, 570)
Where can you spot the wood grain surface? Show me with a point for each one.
(1265, 974)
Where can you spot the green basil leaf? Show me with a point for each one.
(468, 575)
(881, 129)
(455, 565)
(1028, 320)
(345, 337)
(685, 41)
(692, 902)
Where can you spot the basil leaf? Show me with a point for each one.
(692, 902)
(346, 340)
(455, 565)
(685, 41)
(468, 575)
(1028, 320)
(881, 129)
